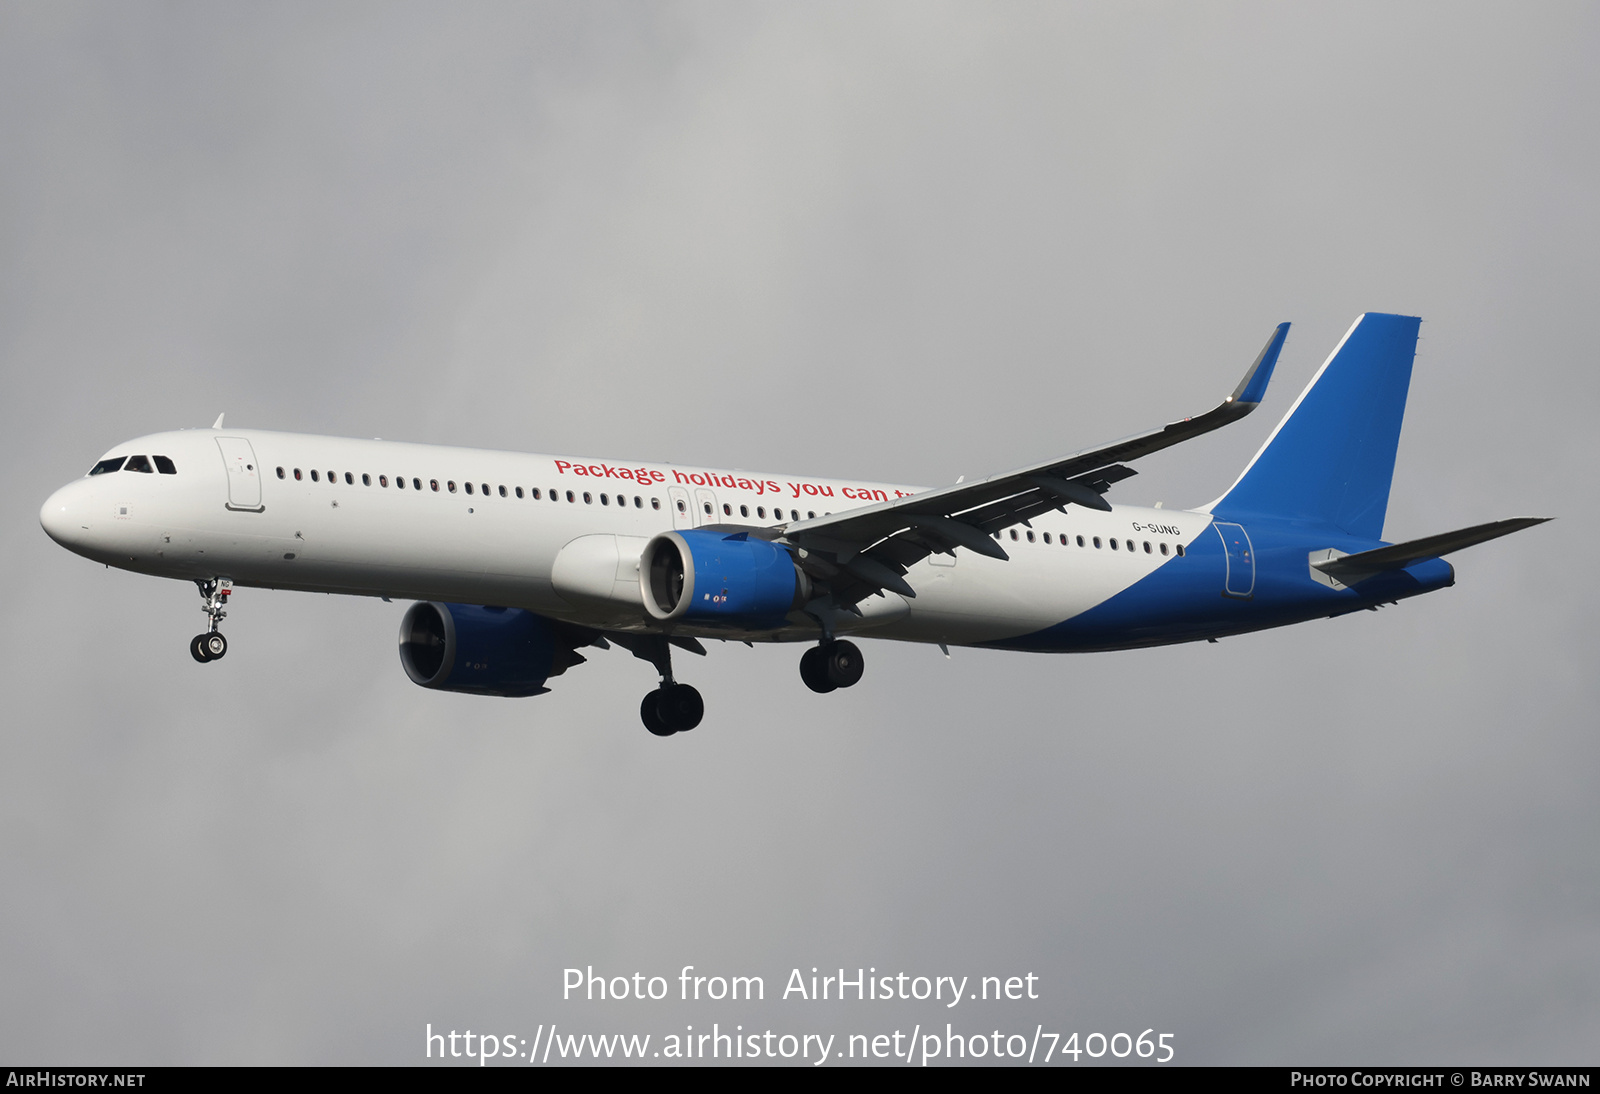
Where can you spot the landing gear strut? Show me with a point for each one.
(831, 665)
(672, 707)
(211, 645)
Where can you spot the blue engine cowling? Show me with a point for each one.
(486, 651)
(718, 579)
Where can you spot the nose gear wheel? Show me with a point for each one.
(208, 647)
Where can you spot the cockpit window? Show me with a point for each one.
(105, 467)
(139, 463)
(165, 465)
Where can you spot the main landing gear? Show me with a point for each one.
(211, 646)
(831, 665)
(672, 707)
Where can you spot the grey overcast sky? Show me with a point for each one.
(880, 240)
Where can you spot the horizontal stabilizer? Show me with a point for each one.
(1352, 568)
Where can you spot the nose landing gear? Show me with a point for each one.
(211, 646)
(831, 665)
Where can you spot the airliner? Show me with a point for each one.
(517, 562)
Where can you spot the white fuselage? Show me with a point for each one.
(555, 535)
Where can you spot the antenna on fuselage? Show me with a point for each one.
(218, 423)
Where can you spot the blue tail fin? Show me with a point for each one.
(1331, 459)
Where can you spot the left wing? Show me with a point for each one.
(856, 554)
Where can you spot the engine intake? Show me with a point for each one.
(485, 651)
(722, 580)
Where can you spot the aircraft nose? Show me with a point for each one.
(64, 516)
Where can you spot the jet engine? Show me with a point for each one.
(729, 580)
(485, 651)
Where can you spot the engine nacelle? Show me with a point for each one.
(486, 651)
(722, 580)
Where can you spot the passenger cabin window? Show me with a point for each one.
(1114, 546)
(1030, 537)
(503, 491)
(139, 463)
(1097, 543)
(1163, 548)
(297, 474)
(744, 510)
(165, 465)
(1013, 534)
(451, 485)
(588, 499)
(280, 473)
(1180, 550)
(727, 510)
(349, 479)
(105, 467)
(655, 503)
(682, 508)
(453, 488)
(314, 475)
(605, 499)
(708, 508)
(383, 481)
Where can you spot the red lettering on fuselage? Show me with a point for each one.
(759, 487)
